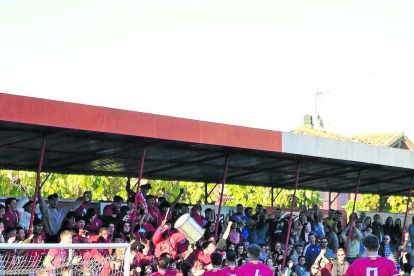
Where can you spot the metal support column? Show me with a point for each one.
(291, 217)
(134, 214)
(330, 201)
(205, 193)
(221, 197)
(348, 240)
(39, 170)
(272, 198)
(406, 210)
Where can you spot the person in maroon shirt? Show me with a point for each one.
(113, 209)
(11, 217)
(162, 267)
(93, 223)
(81, 211)
(144, 189)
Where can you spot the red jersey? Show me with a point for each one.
(81, 211)
(168, 245)
(110, 210)
(255, 269)
(231, 271)
(11, 219)
(94, 226)
(167, 273)
(372, 266)
(214, 272)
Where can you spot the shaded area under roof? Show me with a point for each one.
(85, 139)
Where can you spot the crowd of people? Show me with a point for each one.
(245, 242)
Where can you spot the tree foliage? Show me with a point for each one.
(369, 203)
(104, 188)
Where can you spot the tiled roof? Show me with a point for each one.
(320, 133)
(379, 139)
(386, 139)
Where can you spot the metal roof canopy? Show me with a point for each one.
(82, 139)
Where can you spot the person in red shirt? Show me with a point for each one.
(144, 256)
(11, 217)
(93, 223)
(81, 211)
(204, 254)
(255, 267)
(57, 257)
(123, 228)
(113, 209)
(373, 264)
(163, 208)
(162, 267)
(216, 260)
(146, 226)
(103, 237)
(166, 242)
(231, 268)
(155, 214)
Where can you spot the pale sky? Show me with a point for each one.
(250, 63)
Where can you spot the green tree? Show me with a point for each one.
(104, 188)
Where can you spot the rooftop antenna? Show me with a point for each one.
(318, 120)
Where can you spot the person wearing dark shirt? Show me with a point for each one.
(278, 228)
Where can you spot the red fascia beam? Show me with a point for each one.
(28, 110)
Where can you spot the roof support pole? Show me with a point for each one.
(291, 216)
(330, 201)
(381, 204)
(333, 200)
(137, 195)
(209, 194)
(277, 195)
(39, 170)
(271, 204)
(221, 196)
(205, 193)
(348, 240)
(406, 210)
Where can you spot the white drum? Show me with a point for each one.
(187, 226)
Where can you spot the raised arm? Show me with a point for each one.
(130, 192)
(177, 198)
